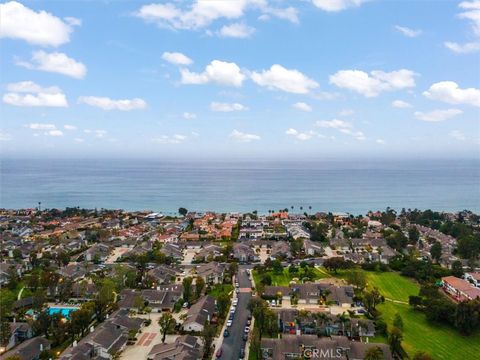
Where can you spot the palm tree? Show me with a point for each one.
(395, 341)
(374, 353)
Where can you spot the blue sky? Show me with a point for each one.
(240, 79)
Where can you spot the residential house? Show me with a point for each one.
(460, 289)
(312, 248)
(29, 349)
(185, 347)
(311, 346)
(105, 341)
(200, 313)
(244, 253)
(473, 277)
(163, 274)
(20, 331)
(211, 272)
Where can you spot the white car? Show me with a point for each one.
(229, 323)
(235, 302)
(233, 309)
(247, 329)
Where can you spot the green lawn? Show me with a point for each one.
(286, 277)
(392, 285)
(218, 289)
(440, 341)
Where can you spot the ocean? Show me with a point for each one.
(163, 186)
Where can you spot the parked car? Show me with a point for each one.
(245, 337)
(249, 322)
(247, 329)
(242, 354)
(226, 333)
(229, 323)
(219, 353)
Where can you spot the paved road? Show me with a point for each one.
(232, 344)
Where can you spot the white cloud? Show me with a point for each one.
(73, 21)
(346, 112)
(334, 124)
(106, 103)
(380, 141)
(472, 14)
(243, 137)
(336, 5)
(301, 136)
(236, 30)
(458, 135)
(401, 104)
(31, 87)
(30, 94)
(290, 13)
(99, 134)
(437, 115)
(345, 127)
(170, 139)
(466, 48)
(407, 31)
(450, 92)
(54, 133)
(203, 12)
(302, 106)
(37, 126)
(38, 28)
(219, 72)
(227, 107)
(79, 140)
(4, 136)
(371, 85)
(177, 58)
(189, 116)
(278, 77)
(69, 127)
(55, 62)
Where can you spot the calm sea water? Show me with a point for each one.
(164, 186)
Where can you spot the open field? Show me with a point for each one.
(440, 341)
(286, 277)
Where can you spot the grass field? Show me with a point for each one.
(219, 289)
(286, 277)
(440, 341)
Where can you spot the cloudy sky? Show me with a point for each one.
(240, 79)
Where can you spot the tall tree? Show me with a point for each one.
(199, 286)
(5, 332)
(436, 251)
(207, 336)
(166, 323)
(187, 289)
(395, 338)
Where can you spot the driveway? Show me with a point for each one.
(232, 344)
(147, 339)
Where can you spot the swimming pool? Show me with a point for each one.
(64, 311)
